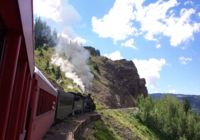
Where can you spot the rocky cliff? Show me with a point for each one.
(116, 84)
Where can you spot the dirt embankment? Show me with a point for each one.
(72, 128)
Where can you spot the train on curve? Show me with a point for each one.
(54, 105)
(29, 104)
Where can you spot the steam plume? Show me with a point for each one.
(72, 59)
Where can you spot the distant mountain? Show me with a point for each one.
(193, 99)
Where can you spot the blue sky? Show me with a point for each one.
(161, 37)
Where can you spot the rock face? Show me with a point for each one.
(93, 51)
(116, 83)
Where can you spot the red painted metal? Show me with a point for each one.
(27, 100)
(25, 105)
(26, 14)
(46, 113)
(41, 124)
(17, 19)
(15, 114)
(7, 76)
(9, 12)
(33, 99)
(17, 15)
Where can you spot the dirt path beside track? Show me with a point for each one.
(71, 128)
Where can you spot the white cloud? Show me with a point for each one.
(129, 44)
(81, 40)
(51, 7)
(180, 29)
(150, 70)
(114, 56)
(116, 24)
(184, 60)
(56, 10)
(155, 19)
(63, 15)
(158, 46)
(172, 91)
(151, 17)
(188, 2)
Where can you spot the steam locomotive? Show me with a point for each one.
(70, 103)
(29, 104)
(55, 105)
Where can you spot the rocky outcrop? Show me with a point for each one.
(116, 83)
(92, 51)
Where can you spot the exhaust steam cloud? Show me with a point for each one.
(72, 59)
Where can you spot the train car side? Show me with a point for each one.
(65, 104)
(27, 98)
(42, 107)
(16, 67)
(71, 103)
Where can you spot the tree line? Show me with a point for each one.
(170, 117)
(44, 36)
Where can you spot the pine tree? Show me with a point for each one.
(43, 34)
(58, 73)
(186, 105)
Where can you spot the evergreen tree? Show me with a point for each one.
(43, 35)
(53, 70)
(58, 73)
(186, 105)
(47, 66)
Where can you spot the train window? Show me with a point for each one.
(2, 34)
(45, 102)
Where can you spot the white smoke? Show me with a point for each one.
(72, 59)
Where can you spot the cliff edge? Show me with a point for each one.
(116, 84)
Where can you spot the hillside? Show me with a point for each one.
(115, 88)
(53, 72)
(120, 124)
(116, 84)
(193, 99)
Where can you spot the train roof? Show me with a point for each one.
(38, 72)
(71, 92)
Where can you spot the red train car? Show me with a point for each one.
(42, 106)
(16, 66)
(26, 98)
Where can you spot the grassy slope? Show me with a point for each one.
(116, 124)
(41, 58)
(122, 125)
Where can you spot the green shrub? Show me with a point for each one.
(171, 117)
